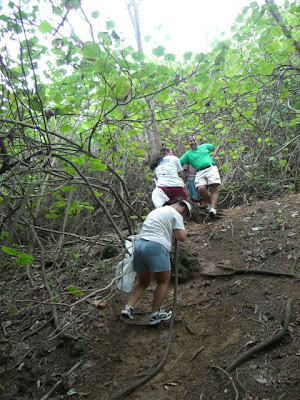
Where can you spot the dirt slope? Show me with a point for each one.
(218, 318)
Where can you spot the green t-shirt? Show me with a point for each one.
(200, 157)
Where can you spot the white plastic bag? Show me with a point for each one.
(124, 269)
(159, 197)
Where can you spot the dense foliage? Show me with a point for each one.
(78, 120)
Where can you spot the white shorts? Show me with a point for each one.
(208, 176)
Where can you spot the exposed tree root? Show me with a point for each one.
(266, 343)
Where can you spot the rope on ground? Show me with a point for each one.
(151, 374)
(266, 343)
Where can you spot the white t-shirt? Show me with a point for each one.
(159, 225)
(167, 172)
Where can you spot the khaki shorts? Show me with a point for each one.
(208, 176)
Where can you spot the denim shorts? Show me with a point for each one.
(150, 256)
(193, 192)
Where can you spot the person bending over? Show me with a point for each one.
(166, 167)
(151, 256)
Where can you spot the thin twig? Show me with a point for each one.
(231, 380)
(38, 329)
(196, 353)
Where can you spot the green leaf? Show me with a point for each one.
(158, 51)
(91, 51)
(110, 24)
(138, 56)
(97, 165)
(170, 57)
(105, 37)
(162, 96)
(226, 167)
(25, 259)
(36, 104)
(75, 291)
(187, 56)
(65, 128)
(265, 68)
(148, 89)
(273, 46)
(45, 27)
(121, 88)
(13, 310)
(51, 216)
(95, 14)
(78, 160)
(276, 31)
(72, 4)
(66, 189)
(163, 70)
(119, 116)
(10, 251)
(59, 204)
(3, 234)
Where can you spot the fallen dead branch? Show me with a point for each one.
(260, 346)
(233, 271)
(231, 380)
(39, 328)
(56, 386)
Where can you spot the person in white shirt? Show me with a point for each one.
(151, 256)
(166, 167)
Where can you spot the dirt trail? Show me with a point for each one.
(218, 318)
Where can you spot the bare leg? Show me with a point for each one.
(162, 279)
(214, 195)
(203, 193)
(143, 281)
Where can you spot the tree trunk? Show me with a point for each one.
(279, 21)
(153, 135)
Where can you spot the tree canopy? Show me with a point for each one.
(79, 119)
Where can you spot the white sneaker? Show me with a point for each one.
(159, 316)
(208, 208)
(213, 212)
(127, 312)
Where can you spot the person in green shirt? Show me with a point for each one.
(201, 157)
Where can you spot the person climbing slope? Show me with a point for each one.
(200, 158)
(151, 256)
(166, 167)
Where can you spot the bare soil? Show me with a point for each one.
(220, 315)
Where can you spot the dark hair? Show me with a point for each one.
(193, 135)
(157, 157)
(179, 200)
